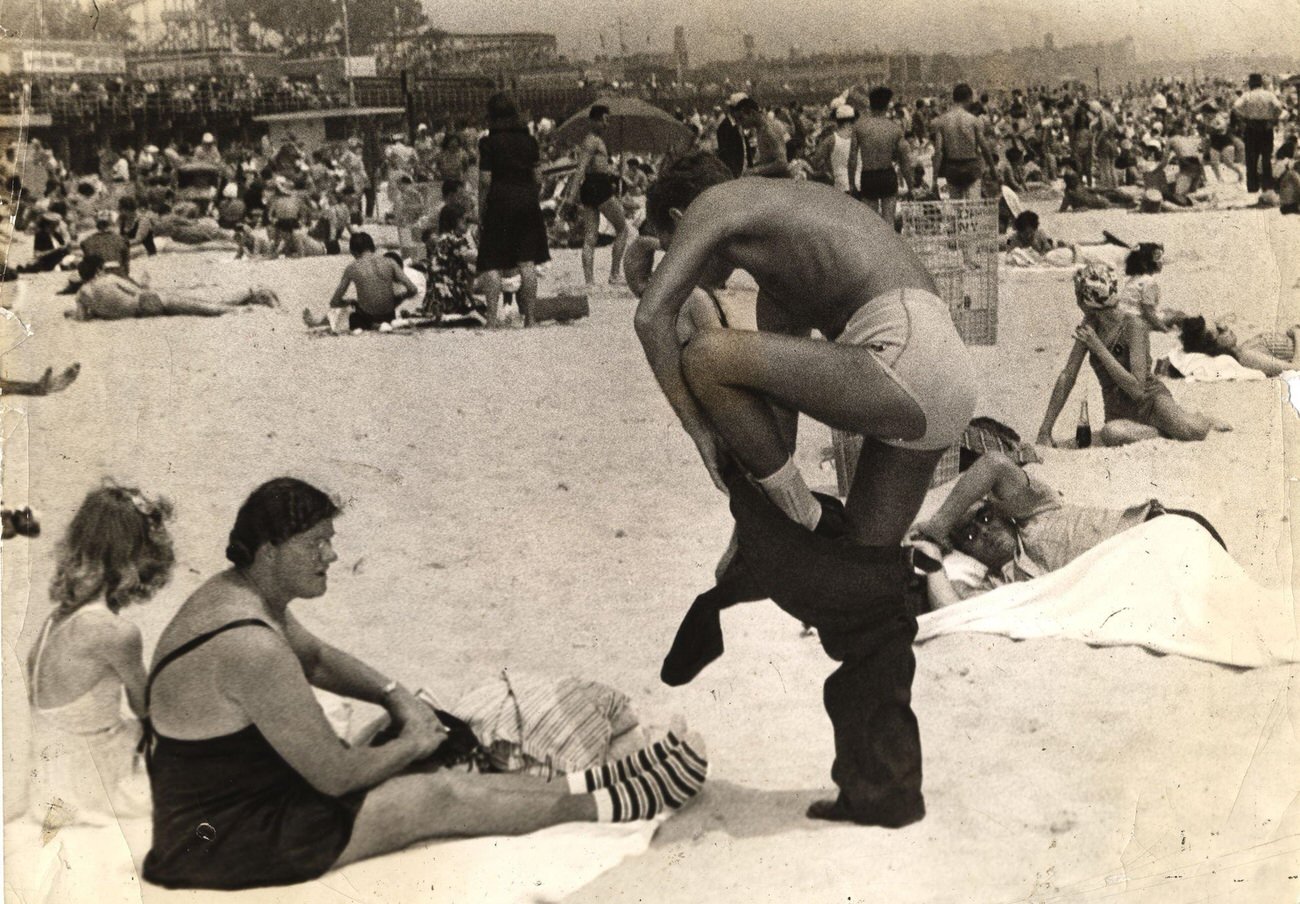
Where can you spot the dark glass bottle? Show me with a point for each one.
(1083, 433)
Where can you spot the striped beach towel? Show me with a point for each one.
(544, 726)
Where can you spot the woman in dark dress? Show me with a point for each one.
(513, 233)
(251, 786)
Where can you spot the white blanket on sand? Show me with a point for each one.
(80, 864)
(1164, 585)
(1201, 368)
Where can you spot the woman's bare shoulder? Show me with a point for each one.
(219, 600)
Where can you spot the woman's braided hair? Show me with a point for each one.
(274, 512)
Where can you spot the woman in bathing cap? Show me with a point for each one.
(1137, 405)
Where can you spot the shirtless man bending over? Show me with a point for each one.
(894, 370)
(377, 279)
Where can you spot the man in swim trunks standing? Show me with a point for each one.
(878, 142)
(894, 371)
(960, 151)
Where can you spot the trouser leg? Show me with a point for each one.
(877, 741)
(856, 598)
(1253, 153)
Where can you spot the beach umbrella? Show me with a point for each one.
(632, 125)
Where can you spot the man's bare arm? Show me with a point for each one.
(337, 300)
(408, 288)
(698, 236)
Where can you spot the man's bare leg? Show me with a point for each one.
(736, 376)
(527, 296)
(47, 384)
(491, 283)
(590, 234)
(613, 211)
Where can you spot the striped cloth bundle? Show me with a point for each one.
(544, 726)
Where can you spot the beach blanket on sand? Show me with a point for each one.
(102, 864)
(1196, 367)
(83, 863)
(1164, 585)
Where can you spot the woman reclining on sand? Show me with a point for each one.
(251, 787)
(1137, 405)
(107, 296)
(1271, 353)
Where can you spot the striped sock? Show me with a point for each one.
(621, 770)
(664, 788)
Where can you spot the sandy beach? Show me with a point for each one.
(526, 499)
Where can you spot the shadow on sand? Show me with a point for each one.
(743, 813)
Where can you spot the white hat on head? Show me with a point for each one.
(844, 111)
(230, 191)
(151, 149)
(736, 98)
(209, 138)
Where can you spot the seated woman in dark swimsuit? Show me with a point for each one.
(251, 787)
(1137, 405)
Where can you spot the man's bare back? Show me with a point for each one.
(879, 140)
(375, 277)
(816, 253)
(958, 134)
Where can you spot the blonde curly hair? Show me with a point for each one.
(117, 546)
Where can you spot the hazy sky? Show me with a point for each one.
(1161, 28)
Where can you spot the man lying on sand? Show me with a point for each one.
(381, 284)
(895, 371)
(107, 296)
(1271, 353)
(1028, 246)
(47, 384)
(1078, 196)
(1019, 528)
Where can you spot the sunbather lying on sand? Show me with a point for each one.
(107, 296)
(1018, 527)
(47, 384)
(1028, 245)
(1271, 353)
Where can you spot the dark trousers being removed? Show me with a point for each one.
(1258, 137)
(856, 599)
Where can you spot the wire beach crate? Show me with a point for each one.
(958, 242)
